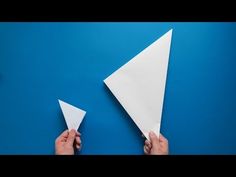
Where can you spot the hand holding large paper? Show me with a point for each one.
(139, 85)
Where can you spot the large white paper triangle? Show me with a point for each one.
(139, 85)
(73, 116)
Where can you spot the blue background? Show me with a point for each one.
(43, 62)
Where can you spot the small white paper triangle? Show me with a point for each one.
(139, 85)
(73, 115)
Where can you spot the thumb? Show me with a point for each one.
(71, 137)
(154, 139)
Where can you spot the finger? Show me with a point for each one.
(162, 138)
(63, 136)
(78, 134)
(78, 140)
(71, 137)
(154, 139)
(146, 150)
(78, 146)
(148, 144)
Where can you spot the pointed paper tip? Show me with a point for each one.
(170, 32)
(60, 101)
(105, 81)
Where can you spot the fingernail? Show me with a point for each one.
(152, 134)
(73, 132)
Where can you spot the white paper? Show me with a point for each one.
(139, 85)
(73, 115)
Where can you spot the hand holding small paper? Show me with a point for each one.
(65, 143)
(69, 139)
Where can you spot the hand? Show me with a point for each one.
(156, 146)
(64, 144)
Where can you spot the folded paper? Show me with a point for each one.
(139, 85)
(73, 115)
